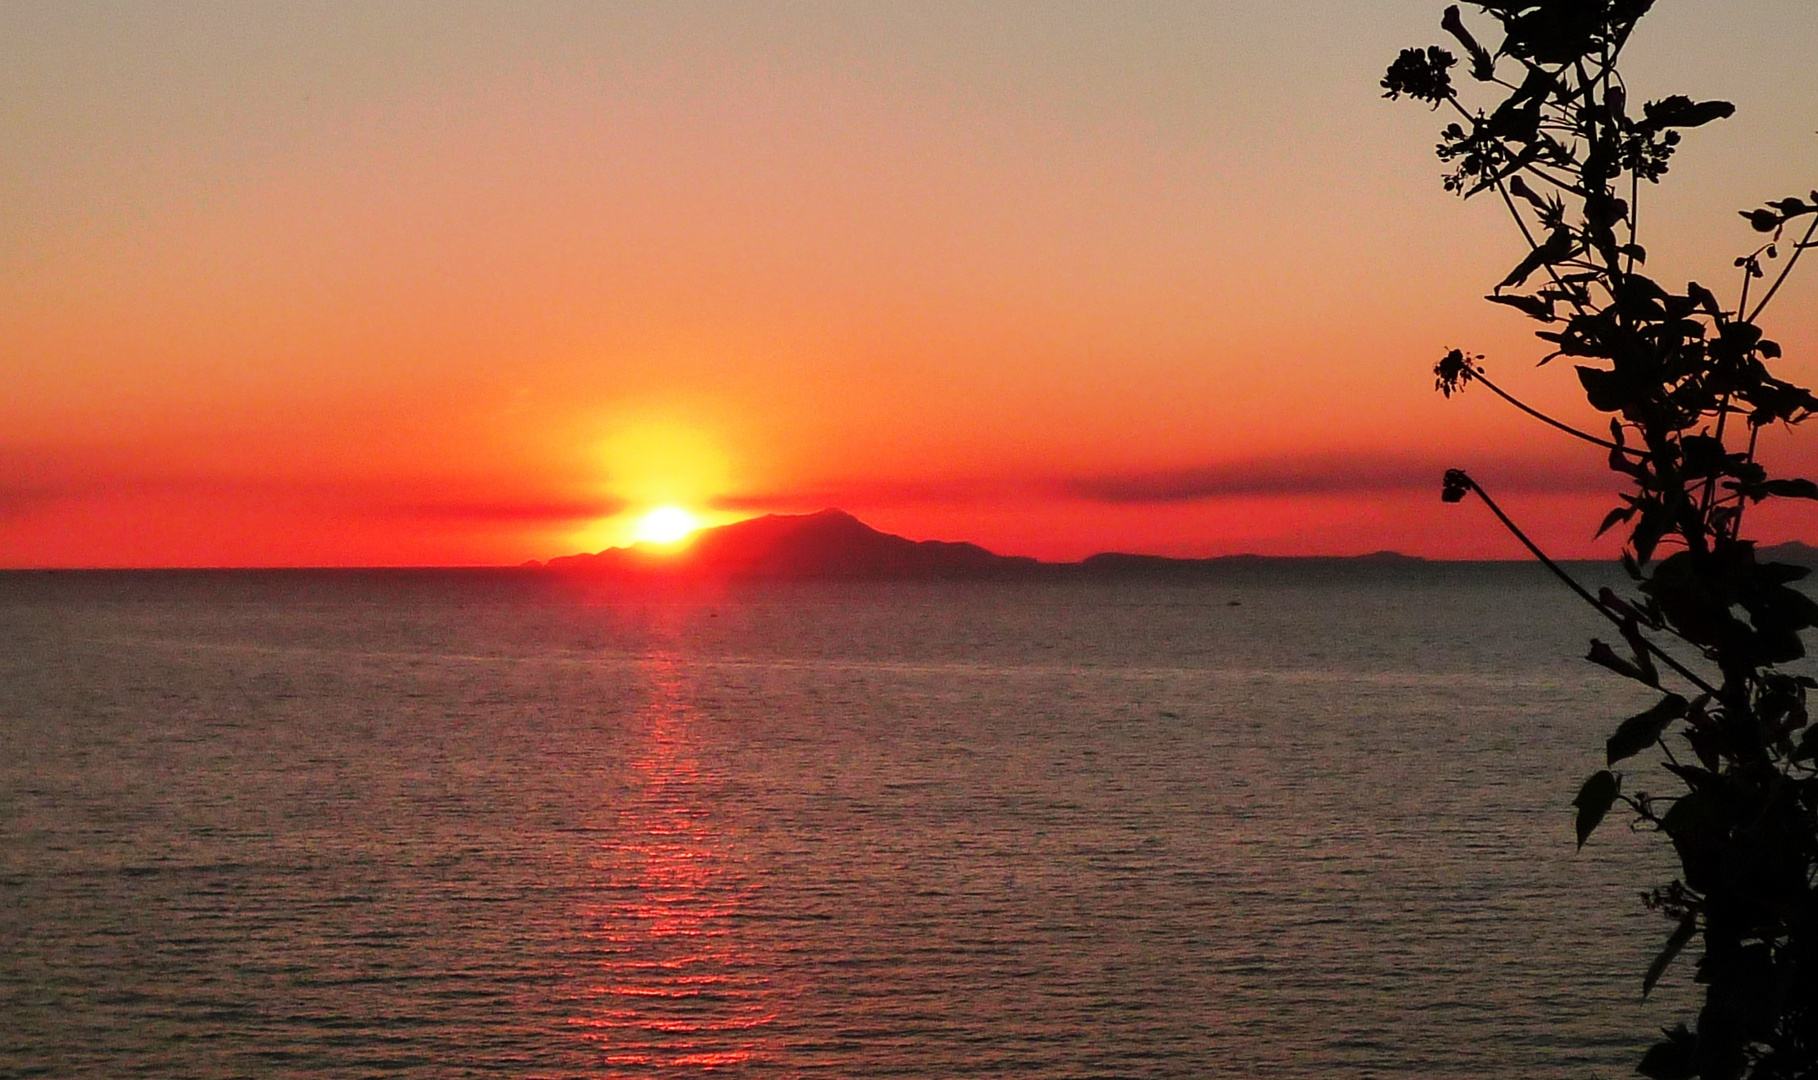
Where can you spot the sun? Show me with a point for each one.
(665, 525)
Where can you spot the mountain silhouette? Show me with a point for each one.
(833, 544)
(1792, 551)
(828, 544)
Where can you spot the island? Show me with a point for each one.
(834, 545)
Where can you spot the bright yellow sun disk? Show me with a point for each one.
(665, 525)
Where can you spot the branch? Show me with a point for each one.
(1502, 188)
(1458, 479)
(1742, 503)
(1562, 185)
(1634, 219)
(1710, 482)
(1798, 250)
(1639, 455)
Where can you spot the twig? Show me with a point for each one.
(1567, 428)
(1792, 261)
(1685, 673)
(1533, 245)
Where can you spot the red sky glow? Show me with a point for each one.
(450, 284)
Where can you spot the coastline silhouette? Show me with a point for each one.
(833, 544)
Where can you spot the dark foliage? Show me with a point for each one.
(1688, 382)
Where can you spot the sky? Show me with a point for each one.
(459, 284)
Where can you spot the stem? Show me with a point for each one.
(1680, 669)
(1710, 482)
(1509, 201)
(1792, 261)
(1634, 217)
(1742, 503)
(1567, 428)
(1555, 181)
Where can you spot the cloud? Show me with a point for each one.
(1350, 475)
(1251, 478)
(1279, 477)
(887, 492)
(427, 499)
(20, 500)
(468, 501)
(551, 510)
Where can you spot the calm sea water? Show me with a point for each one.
(1284, 823)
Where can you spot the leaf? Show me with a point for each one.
(1687, 927)
(1694, 817)
(1622, 461)
(1558, 248)
(1779, 573)
(1602, 654)
(1617, 516)
(1605, 390)
(1644, 659)
(1701, 831)
(1682, 112)
(1760, 221)
(1594, 801)
(1607, 598)
(1483, 69)
(1672, 1058)
(1639, 732)
(1808, 745)
(1704, 298)
(1631, 565)
(1537, 306)
(1519, 188)
(1790, 489)
(1525, 268)
(1653, 526)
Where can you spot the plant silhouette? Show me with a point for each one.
(1687, 381)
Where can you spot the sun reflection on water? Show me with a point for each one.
(676, 988)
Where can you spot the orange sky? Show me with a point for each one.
(456, 284)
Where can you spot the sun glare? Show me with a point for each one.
(666, 525)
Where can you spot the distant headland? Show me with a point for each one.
(833, 544)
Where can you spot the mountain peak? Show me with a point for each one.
(829, 543)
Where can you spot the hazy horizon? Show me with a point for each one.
(679, 550)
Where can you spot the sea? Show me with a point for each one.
(1285, 819)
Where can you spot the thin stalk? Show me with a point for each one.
(1742, 503)
(1710, 482)
(1515, 530)
(1554, 180)
(1634, 217)
(1792, 261)
(1567, 428)
(1509, 201)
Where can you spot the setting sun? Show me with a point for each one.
(666, 525)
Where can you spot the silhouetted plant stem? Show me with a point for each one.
(1742, 504)
(1799, 249)
(1710, 483)
(1479, 376)
(1572, 583)
(1534, 245)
